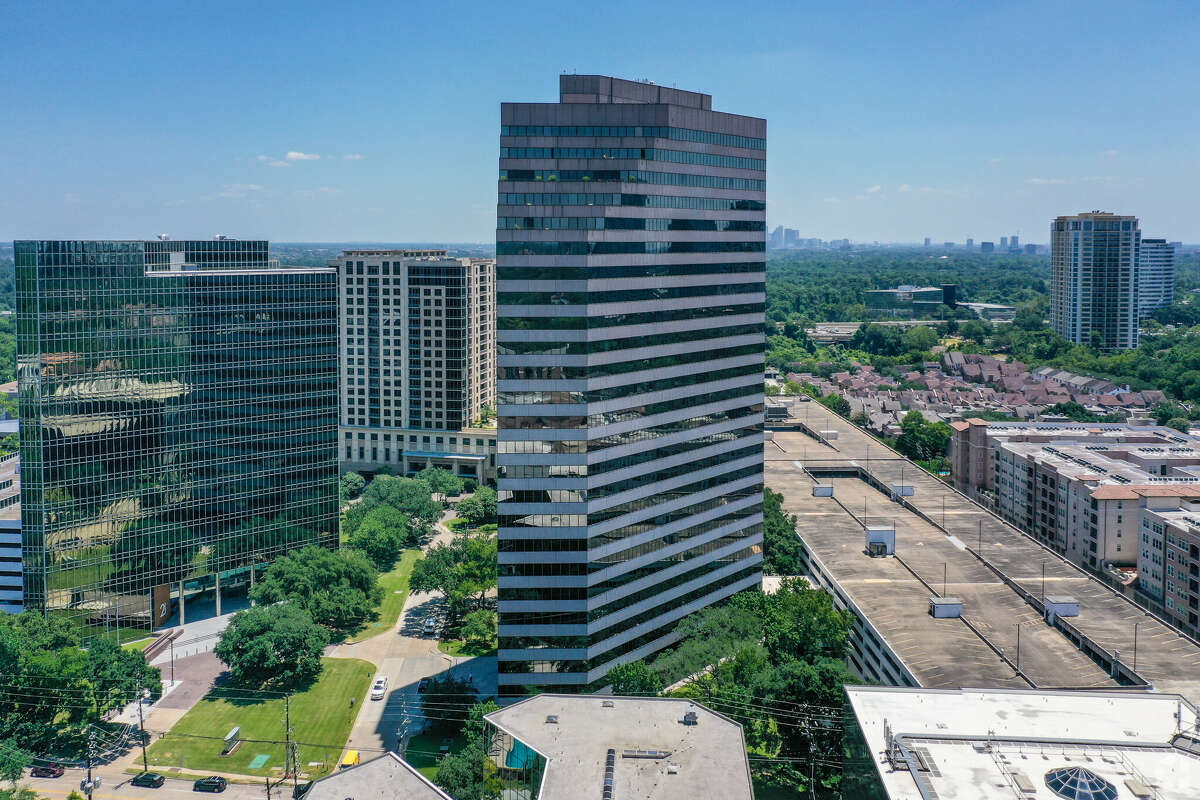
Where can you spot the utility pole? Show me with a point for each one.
(90, 784)
(1043, 580)
(944, 571)
(287, 734)
(141, 695)
(1135, 627)
(172, 661)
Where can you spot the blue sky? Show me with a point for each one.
(886, 121)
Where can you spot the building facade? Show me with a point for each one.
(1156, 276)
(12, 571)
(417, 345)
(1169, 564)
(630, 266)
(178, 405)
(1094, 261)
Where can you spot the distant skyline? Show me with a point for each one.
(372, 121)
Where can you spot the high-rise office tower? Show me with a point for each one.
(987, 247)
(178, 405)
(1156, 276)
(1094, 279)
(630, 274)
(970, 244)
(418, 361)
(1014, 242)
(1003, 244)
(927, 241)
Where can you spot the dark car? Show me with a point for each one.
(213, 784)
(151, 780)
(47, 771)
(423, 684)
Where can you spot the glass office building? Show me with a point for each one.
(178, 406)
(630, 247)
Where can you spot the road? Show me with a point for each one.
(116, 786)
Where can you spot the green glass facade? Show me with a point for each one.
(178, 406)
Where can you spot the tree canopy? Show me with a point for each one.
(463, 571)
(54, 686)
(338, 588)
(273, 645)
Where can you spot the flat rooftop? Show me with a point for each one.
(991, 565)
(710, 756)
(1002, 745)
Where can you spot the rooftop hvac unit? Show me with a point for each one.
(1060, 605)
(881, 541)
(822, 491)
(902, 490)
(828, 434)
(691, 718)
(945, 607)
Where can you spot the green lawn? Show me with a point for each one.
(395, 592)
(459, 647)
(321, 717)
(423, 752)
(140, 644)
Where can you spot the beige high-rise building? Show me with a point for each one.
(1094, 279)
(417, 343)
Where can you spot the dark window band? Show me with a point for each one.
(623, 199)
(638, 154)
(633, 176)
(652, 131)
(623, 248)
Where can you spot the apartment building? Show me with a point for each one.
(1094, 260)
(178, 404)
(1169, 563)
(631, 261)
(417, 344)
(12, 591)
(1156, 276)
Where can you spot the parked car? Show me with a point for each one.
(379, 689)
(431, 626)
(444, 747)
(423, 684)
(150, 780)
(47, 771)
(214, 783)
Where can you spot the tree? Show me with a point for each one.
(338, 588)
(922, 440)
(860, 419)
(412, 498)
(380, 536)
(634, 678)
(13, 763)
(479, 628)
(771, 390)
(273, 645)
(976, 330)
(781, 546)
(919, 339)
(1179, 423)
(463, 571)
(441, 481)
(469, 773)
(480, 508)
(836, 403)
(25, 793)
(54, 685)
(350, 485)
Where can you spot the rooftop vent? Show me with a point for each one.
(610, 765)
(691, 718)
(552, 719)
(672, 769)
(607, 704)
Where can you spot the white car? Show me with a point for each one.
(431, 626)
(379, 689)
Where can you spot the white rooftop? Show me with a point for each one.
(707, 759)
(1004, 744)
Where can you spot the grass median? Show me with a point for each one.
(321, 718)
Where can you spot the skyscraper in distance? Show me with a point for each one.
(1156, 276)
(630, 357)
(178, 405)
(1094, 279)
(1003, 244)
